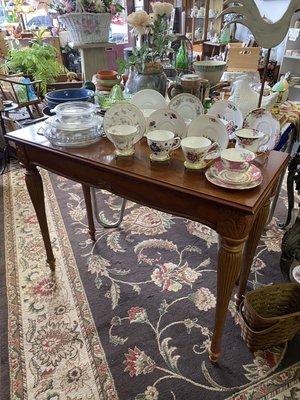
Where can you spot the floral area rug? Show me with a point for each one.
(129, 317)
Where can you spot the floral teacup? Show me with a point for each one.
(236, 161)
(161, 142)
(195, 150)
(123, 137)
(250, 139)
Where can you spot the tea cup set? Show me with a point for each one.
(234, 170)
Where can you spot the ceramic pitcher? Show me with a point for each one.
(189, 83)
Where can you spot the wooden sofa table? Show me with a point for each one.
(237, 216)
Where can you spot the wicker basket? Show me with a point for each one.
(270, 315)
(86, 27)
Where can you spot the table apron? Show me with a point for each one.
(151, 194)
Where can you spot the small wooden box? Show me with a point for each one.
(243, 59)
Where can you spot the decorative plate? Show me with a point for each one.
(124, 113)
(148, 98)
(213, 176)
(263, 121)
(187, 105)
(210, 127)
(244, 178)
(168, 120)
(229, 112)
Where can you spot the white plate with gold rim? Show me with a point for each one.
(187, 105)
(169, 120)
(229, 112)
(148, 98)
(124, 113)
(211, 128)
(263, 121)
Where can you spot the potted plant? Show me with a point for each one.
(38, 62)
(87, 21)
(154, 37)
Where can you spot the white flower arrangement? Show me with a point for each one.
(162, 9)
(140, 21)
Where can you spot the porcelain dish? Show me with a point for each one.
(263, 121)
(124, 113)
(216, 174)
(148, 98)
(229, 112)
(211, 128)
(187, 106)
(165, 119)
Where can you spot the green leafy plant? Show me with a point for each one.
(38, 61)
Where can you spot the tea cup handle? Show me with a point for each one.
(265, 138)
(176, 143)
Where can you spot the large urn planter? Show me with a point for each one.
(84, 27)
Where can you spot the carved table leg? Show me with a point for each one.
(34, 185)
(250, 248)
(229, 263)
(89, 210)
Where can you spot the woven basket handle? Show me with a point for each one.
(240, 311)
(79, 7)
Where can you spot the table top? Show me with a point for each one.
(173, 175)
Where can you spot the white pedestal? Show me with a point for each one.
(93, 57)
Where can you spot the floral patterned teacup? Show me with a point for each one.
(236, 161)
(195, 150)
(250, 139)
(161, 142)
(123, 137)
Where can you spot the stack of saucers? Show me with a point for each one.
(234, 170)
(73, 125)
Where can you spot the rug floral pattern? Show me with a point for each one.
(54, 351)
(176, 263)
(137, 322)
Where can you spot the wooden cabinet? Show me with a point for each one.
(199, 23)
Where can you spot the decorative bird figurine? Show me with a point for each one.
(267, 35)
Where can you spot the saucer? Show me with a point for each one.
(252, 174)
(216, 174)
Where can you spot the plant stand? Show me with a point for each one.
(93, 57)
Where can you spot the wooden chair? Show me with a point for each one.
(21, 93)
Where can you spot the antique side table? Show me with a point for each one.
(237, 216)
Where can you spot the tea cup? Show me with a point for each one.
(236, 161)
(161, 142)
(195, 150)
(251, 139)
(123, 137)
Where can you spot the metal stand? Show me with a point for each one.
(264, 78)
(289, 149)
(96, 212)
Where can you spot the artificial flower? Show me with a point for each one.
(161, 9)
(140, 22)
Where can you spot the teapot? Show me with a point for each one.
(246, 99)
(190, 83)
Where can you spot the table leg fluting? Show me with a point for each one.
(35, 189)
(229, 263)
(250, 248)
(89, 210)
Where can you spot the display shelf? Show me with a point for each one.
(290, 63)
(292, 57)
